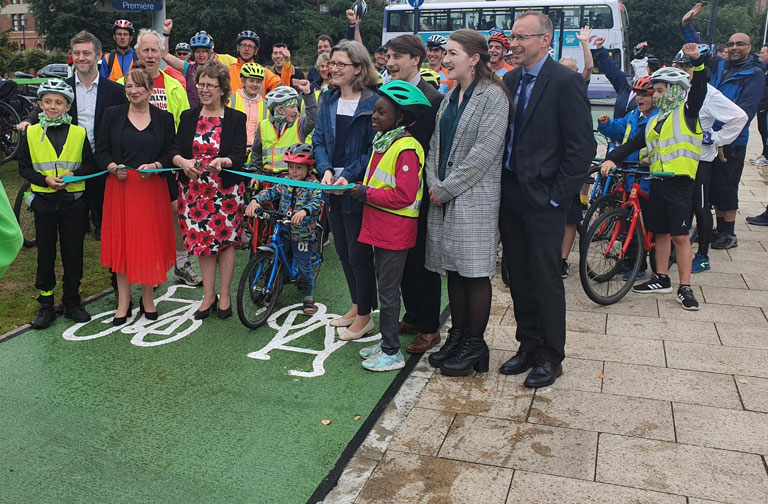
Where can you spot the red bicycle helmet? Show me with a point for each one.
(643, 86)
(123, 24)
(300, 154)
(501, 39)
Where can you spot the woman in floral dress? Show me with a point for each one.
(211, 137)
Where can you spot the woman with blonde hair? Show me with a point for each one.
(341, 141)
(211, 137)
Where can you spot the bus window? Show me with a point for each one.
(597, 16)
(572, 17)
(464, 18)
(400, 21)
(434, 20)
(495, 18)
(519, 11)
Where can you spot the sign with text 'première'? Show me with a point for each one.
(137, 5)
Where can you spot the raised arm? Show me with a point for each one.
(689, 33)
(583, 37)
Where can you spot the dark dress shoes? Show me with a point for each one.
(543, 375)
(203, 314)
(520, 363)
(472, 355)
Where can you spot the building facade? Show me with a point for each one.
(16, 17)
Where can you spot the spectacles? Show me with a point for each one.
(208, 86)
(737, 44)
(523, 38)
(247, 46)
(340, 66)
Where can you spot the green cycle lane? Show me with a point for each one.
(179, 410)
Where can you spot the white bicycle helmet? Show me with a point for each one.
(670, 75)
(58, 87)
(280, 96)
(437, 41)
(360, 8)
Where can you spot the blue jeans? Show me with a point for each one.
(302, 253)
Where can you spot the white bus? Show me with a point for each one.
(608, 18)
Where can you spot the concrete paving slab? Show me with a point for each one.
(744, 431)
(743, 336)
(760, 257)
(615, 348)
(728, 360)
(597, 412)
(695, 471)
(754, 393)
(537, 448)
(713, 278)
(756, 279)
(534, 488)
(710, 312)
(351, 481)
(736, 297)
(477, 395)
(668, 384)
(404, 478)
(670, 330)
(423, 432)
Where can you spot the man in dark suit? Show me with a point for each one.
(420, 287)
(549, 149)
(93, 94)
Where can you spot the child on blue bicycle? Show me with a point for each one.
(302, 205)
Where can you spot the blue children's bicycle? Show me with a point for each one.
(262, 280)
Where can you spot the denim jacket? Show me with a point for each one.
(293, 199)
(358, 144)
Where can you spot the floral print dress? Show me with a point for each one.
(210, 215)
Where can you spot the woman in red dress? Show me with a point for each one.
(211, 137)
(137, 240)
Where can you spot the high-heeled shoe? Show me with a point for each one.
(148, 315)
(118, 321)
(473, 354)
(203, 314)
(224, 314)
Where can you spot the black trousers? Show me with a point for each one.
(701, 207)
(356, 258)
(762, 127)
(59, 221)
(532, 240)
(421, 287)
(94, 200)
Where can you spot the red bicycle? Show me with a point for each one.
(614, 238)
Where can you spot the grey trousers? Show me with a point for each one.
(390, 265)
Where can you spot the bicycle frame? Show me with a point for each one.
(633, 202)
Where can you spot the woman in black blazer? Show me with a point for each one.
(211, 137)
(137, 240)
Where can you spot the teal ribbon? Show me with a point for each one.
(263, 178)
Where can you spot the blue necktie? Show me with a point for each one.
(519, 115)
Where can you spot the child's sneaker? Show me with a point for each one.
(370, 351)
(384, 362)
(686, 298)
(309, 307)
(564, 269)
(655, 284)
(700, 263)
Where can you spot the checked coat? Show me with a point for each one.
(461, 236)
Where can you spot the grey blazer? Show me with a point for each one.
(461, 236)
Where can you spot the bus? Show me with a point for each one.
(608, 18)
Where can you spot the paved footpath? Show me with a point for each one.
(656, 404)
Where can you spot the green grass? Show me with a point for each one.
(17, 286)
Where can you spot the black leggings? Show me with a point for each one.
(762, 127)
(701, 207)
(470, 301)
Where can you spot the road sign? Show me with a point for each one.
(416, 3)
(137, 6)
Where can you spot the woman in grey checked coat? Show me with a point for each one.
(463, 172)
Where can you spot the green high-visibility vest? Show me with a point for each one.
(273, 147)
(48, 164)
(675, 148)
(384, 176)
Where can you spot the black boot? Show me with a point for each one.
(473, 354)
(449, 349)
(45, 316)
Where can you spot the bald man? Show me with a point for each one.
(740, 77)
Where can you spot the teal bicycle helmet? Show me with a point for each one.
(405, 94)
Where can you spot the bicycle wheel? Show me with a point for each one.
(601, 257)
(597, 208)
(10, 138)
(24, 215)
(255, 299)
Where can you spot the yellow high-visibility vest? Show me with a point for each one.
(273, 147)
(48, 164)
(675, 148)
(384, 176)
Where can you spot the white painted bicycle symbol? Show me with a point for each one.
(289, 330)
(172, 325)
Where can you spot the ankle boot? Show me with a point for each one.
(473, 354)
(450, 348)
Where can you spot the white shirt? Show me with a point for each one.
(717, 107)
(86, 106)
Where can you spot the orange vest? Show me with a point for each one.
(116, 72)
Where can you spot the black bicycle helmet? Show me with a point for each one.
(248, 35)
(653, 63)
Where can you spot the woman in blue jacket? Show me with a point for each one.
(342, 143)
